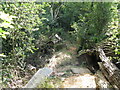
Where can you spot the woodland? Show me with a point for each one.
(31, 33)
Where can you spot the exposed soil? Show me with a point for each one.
(73, 74)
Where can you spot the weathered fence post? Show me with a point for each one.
(38, 77)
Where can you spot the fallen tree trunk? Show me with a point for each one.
(110, 71)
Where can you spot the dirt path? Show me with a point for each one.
(80, 81)
(66, 67)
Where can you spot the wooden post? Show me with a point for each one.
(39, 77)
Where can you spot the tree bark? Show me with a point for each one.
(110, 71)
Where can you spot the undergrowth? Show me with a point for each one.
(51, 82)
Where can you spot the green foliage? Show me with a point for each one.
(52, 82)
(29, 29)
(92, 26)
(19, 43)
(28, 19)
(5, 22)
(69, 13)
(114, 33)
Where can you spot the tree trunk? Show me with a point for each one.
(110, 71)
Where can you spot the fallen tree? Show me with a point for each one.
(110, 71)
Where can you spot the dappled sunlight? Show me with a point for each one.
(60, 44)
(57, 59)
(80, 81)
